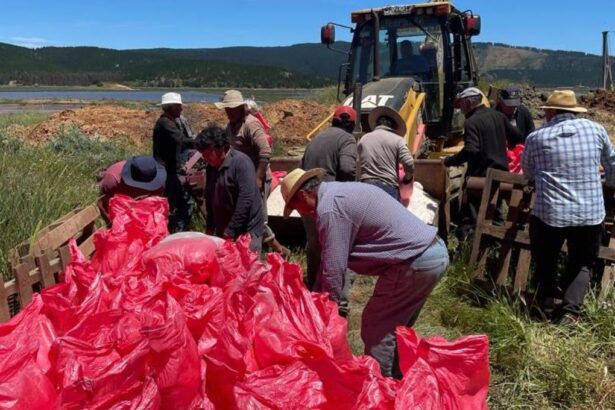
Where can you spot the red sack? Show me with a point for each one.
(81, 295)
(453, 375)
(188, 325)
(405, 190)
(24, 359)
(514, 158)
(137, 225)
(276, 177)
(269, 389)
(185, 260)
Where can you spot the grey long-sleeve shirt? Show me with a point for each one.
(335, 151)
(380, 152)
(363, 228)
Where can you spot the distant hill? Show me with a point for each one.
(158, 68)
(300, 65)
(537, 66)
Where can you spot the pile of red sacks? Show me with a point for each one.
(185, 324)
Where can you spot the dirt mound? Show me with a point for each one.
(100, 121)
(600, 99)
(533, 99)
(291, 121)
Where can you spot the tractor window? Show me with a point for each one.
(409, 46)
(363, 47)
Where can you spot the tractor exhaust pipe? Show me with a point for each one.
(357, 97)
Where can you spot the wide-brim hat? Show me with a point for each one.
(170, 98)
(376, 113)
(564, 100)
(293, 181)
(144, 172)
(231, 99)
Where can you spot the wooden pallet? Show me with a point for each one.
(513, 235)
(39, 262)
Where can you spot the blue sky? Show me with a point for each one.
(564, 24)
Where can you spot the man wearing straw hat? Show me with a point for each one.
(563, 158)
(364, 229)
(247, 135)
(169, 142)
(383, 149)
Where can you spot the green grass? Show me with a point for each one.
(327, 95)
(534, 365)
(40, 184)
(23, 118)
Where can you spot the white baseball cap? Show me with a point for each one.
(469, 92)
(171, 98)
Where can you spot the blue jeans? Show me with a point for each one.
(398, 298)
(389, 189)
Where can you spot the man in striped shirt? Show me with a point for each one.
(563, 157)
(363, 228)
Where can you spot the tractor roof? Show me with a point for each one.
(436, 7)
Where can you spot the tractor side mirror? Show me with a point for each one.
(327, 34)
(472, 24)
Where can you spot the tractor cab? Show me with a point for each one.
(425, 48)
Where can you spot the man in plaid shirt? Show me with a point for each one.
(563, 158)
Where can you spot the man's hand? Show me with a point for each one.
(261, 171)
(259, 183)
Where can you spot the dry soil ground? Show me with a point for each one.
(291, 121)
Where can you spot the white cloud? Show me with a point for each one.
(30, 42)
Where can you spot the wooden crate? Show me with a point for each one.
(39, 262)
(513, 234)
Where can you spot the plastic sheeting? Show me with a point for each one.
(187, 324)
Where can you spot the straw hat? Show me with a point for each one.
(376, 113)
(564, 100)
(231, 99)
(171, 98)
(293, 181)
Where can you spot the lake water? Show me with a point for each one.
(188, 95)
(57, 99)
(148, 96)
